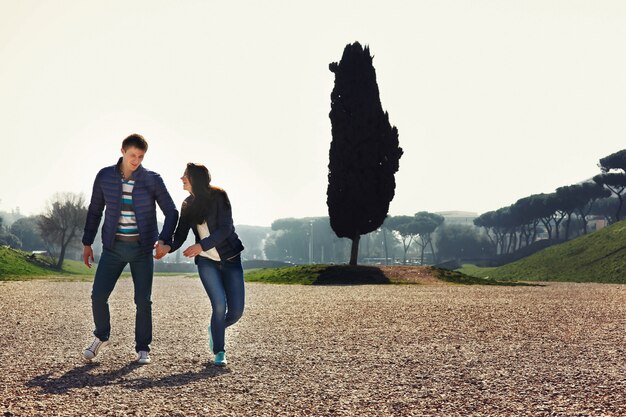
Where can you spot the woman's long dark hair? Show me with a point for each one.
(200, 179)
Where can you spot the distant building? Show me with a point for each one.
(596, 223)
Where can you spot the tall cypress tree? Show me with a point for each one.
(364, 152)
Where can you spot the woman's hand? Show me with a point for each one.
(193, 250)
(161, 249)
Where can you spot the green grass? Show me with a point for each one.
(77, 267)
(318, 274)
(347, 275)
(476, 271)
(596, 257)
(16, 265)
(463, 278)
(171, 274)
(303, 274)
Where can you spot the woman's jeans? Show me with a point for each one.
(110, 267)
(223, 282)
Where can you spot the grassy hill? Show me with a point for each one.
(15, 264)
(596, 257)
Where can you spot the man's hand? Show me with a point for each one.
(193, 250)
(161, 249)
(88, 255)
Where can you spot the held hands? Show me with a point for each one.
(193, 250)
(88, 255)
(161, 249)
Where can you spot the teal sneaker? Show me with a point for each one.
(210, 340)
(220, 359)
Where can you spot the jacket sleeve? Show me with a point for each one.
(94, 212)
(180, 236)
(165, 202)
(225, 225)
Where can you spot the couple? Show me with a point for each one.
(130, 233)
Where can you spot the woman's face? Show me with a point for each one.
(186, 183)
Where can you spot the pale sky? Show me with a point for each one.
(493, 100)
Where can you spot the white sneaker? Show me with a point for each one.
(143, 357)
(92, 350)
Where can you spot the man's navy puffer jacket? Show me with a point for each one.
(148, 190)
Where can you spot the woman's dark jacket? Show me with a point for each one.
(219, 218)
(148, 191)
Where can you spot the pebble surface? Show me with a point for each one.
(367, 350)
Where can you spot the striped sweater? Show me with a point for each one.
(127, 223)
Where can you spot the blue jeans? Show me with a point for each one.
(223, 282)
(110, 267)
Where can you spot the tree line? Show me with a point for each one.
(562, 214)
(423, 238)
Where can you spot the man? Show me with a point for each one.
(130, 232)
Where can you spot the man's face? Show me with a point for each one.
(132, 158)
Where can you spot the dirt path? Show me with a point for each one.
(329, 351)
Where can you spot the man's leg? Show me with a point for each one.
(142, 268)
(108, 271)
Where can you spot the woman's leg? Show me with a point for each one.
(211, 278)
(232, 275)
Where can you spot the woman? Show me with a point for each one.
(217, 252)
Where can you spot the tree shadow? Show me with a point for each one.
(80, 377)
(351, 275)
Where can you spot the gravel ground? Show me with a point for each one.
(398, 350)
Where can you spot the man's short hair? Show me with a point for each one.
(135, 140)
